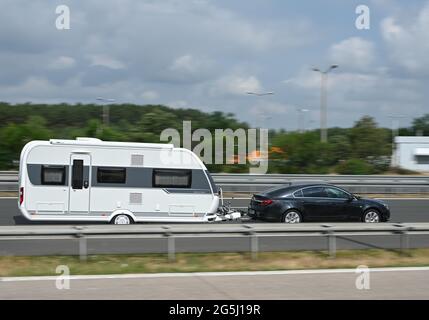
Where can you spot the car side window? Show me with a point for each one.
(336, 193)
(314, 192)
(298, 194)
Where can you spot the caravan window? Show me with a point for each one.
(171, 178)
(53, 175)
(77, 174)
(111, 175)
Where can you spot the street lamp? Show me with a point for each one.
(323, 101)
(105, 109)
(301, 111)
(395, 132)
(260, 94)
(265, 118)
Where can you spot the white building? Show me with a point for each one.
(412, 153)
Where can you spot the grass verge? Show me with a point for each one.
(197, 262)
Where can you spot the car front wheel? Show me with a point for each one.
(371, 216)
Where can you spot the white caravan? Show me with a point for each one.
(119, 182)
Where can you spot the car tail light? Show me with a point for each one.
(21, 195)
(266, 202)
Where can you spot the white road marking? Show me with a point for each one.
(209, 274)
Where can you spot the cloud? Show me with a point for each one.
(236, 85)
(305, 78)
(189, 64)
(270, 109)
(106, 61)
(62, 62)
(188, 69)
(360, 86)
(206, 54)
(150, 95)
(173, 42)
(408, 41)
(354, 53)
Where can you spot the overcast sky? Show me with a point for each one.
(207, 54)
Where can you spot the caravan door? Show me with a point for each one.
(79, 183)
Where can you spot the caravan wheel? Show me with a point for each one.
(122, 219)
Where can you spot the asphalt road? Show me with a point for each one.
(402, 210)
(317, 284)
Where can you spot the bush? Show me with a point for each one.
(354, 166)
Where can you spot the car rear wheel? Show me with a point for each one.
(371, 216)
(292, 216)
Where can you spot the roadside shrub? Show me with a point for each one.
(354, 166)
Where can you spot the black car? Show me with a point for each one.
(315, 202)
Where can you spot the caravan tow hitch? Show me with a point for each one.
(226, 213)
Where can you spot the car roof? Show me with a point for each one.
(294, 186)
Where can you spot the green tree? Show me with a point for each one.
(421, 125)
(369, 140)
(13, 137)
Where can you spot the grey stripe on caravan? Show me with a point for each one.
(135, 178)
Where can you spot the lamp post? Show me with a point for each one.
(260, 94)
(395, 132)
(105, 109)
(323, 101)
(301, 126)
(265, 118)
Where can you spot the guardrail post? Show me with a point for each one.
(332, 245)
(405, 241)
(83, 246)
(171, 244)
(83, 249)
(332, 242)
(254, 242)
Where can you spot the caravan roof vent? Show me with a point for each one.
(88, 139)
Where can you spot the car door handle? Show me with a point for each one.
(85, 184)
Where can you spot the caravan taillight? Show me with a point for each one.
(21, 195)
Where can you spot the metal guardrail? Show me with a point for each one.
(251, 183)
(247, 183)
(252, 231)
